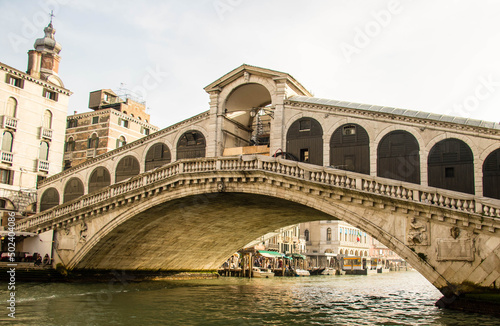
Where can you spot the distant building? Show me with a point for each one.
(33, 109)
(333, 238)
(286, 240)
(115, 121)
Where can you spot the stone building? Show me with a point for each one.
(330, 238)
(33, 109)
(114, 121)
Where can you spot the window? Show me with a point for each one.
(70, 145)
(6, 176)
(15, 81)
(349, 130)
(305, 125)
(93, 141)
(144, 131)
(11, 107)
(44, 151)
(121, 142)
(72, 123)
(123, 122)
(47, 120)
(95, 120)
(49, 94)
(7, 141)
(304, 155)
(306, 235)
(329, 234)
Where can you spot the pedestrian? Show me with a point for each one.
(46, 259)
(38, 259)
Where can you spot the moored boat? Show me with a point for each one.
(261, 273)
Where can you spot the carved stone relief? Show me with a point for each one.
(418, 233)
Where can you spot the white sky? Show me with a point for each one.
(440, 57)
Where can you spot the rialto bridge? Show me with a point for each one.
(267, 154)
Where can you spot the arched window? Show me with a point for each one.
(157, 155)
(491, 175)
(11, 109)
(191, 145)
(127, 167)
(306, 235)
(47, 119)
(398, 157)
(304, 140)
(73, 190)
(329, 234)
(93, 141)
(451, 166)
(70, 145)
(100, 178)
(49, 199)
(121, 142)
(44, 151)
(7, 141)
(350, 149)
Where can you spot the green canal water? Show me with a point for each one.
(403, 298)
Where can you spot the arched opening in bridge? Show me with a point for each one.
(158, 155)
(191, 144)
(491, 175)
(99, 178)
(304, 140)
(248, 116)
(49, 199)
(7, 204)
(73, 189)
(451, 166)
(127, 167)
(350, 149)
(398, 157)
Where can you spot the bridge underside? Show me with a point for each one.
(194, 233)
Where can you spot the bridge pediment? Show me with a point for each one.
(246, 71)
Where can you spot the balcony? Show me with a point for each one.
(9, 122)
(68, 156)
(6, 157)
(43, 166)
(46, 133)
(91, 152)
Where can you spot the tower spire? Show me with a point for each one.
(43, 61)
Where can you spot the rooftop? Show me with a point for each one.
(397, 111)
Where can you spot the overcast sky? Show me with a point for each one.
(440, 57)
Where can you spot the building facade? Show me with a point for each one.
(115, 121)
(33, 110)
(329, 239)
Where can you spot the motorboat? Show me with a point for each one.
(262, 272)
(301, 272)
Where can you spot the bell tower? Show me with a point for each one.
(43, 61)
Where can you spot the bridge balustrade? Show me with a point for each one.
(303, 171)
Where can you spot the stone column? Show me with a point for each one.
(214, 126)
(277, 127)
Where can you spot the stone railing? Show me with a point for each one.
(6, 157)
(9, 122)
(326, 176)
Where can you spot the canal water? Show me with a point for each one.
(399, 298)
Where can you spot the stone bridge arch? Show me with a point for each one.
(133, 239)
(107, 229)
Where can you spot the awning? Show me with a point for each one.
(270, 254)
(294, 255)
(4, 233)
